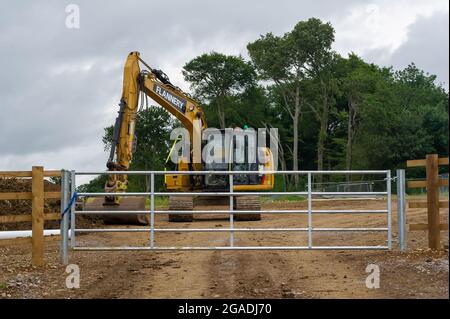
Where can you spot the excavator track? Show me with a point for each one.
(184, 203)
(181, 203)
(247, 203)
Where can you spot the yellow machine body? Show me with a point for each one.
(176, 102)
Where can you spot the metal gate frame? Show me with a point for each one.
(69, 212)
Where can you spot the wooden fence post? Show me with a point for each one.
(37, 216)
(434, 240)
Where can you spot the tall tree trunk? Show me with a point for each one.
(221, 112)
(322, 133)
(147, 181)
(295, 119)
(283, 165)
(350, 130)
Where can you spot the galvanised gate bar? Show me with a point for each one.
(70, 213)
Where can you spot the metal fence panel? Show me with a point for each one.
(69, 190)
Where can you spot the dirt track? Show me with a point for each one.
(239, 274)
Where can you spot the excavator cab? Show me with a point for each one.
(244, 155)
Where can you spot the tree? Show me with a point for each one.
(95, 185)
(314, 38)
(404, 118)
(276, 59)
(153, 127)
(357, 80)
(216, 78)
(293, 62)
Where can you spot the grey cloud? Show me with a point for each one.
(427, 46)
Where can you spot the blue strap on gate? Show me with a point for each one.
(71, 202)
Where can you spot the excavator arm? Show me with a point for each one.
(156, 85)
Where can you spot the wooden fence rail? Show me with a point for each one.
(433, 204)
(37, 216)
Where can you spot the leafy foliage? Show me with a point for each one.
(216, 78)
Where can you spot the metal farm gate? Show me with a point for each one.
(70, 212)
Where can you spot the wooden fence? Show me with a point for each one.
(37, 216)
(433, 203)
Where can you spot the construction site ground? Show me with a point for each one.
(417, 273)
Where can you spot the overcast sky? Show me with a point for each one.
(59, 87)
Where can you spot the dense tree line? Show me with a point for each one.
(332, 112)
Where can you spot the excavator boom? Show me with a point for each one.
(156, 85)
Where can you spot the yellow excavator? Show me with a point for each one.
(156, 85)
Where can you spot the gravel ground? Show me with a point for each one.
(418, 273)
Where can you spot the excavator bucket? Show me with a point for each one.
(126, 203)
